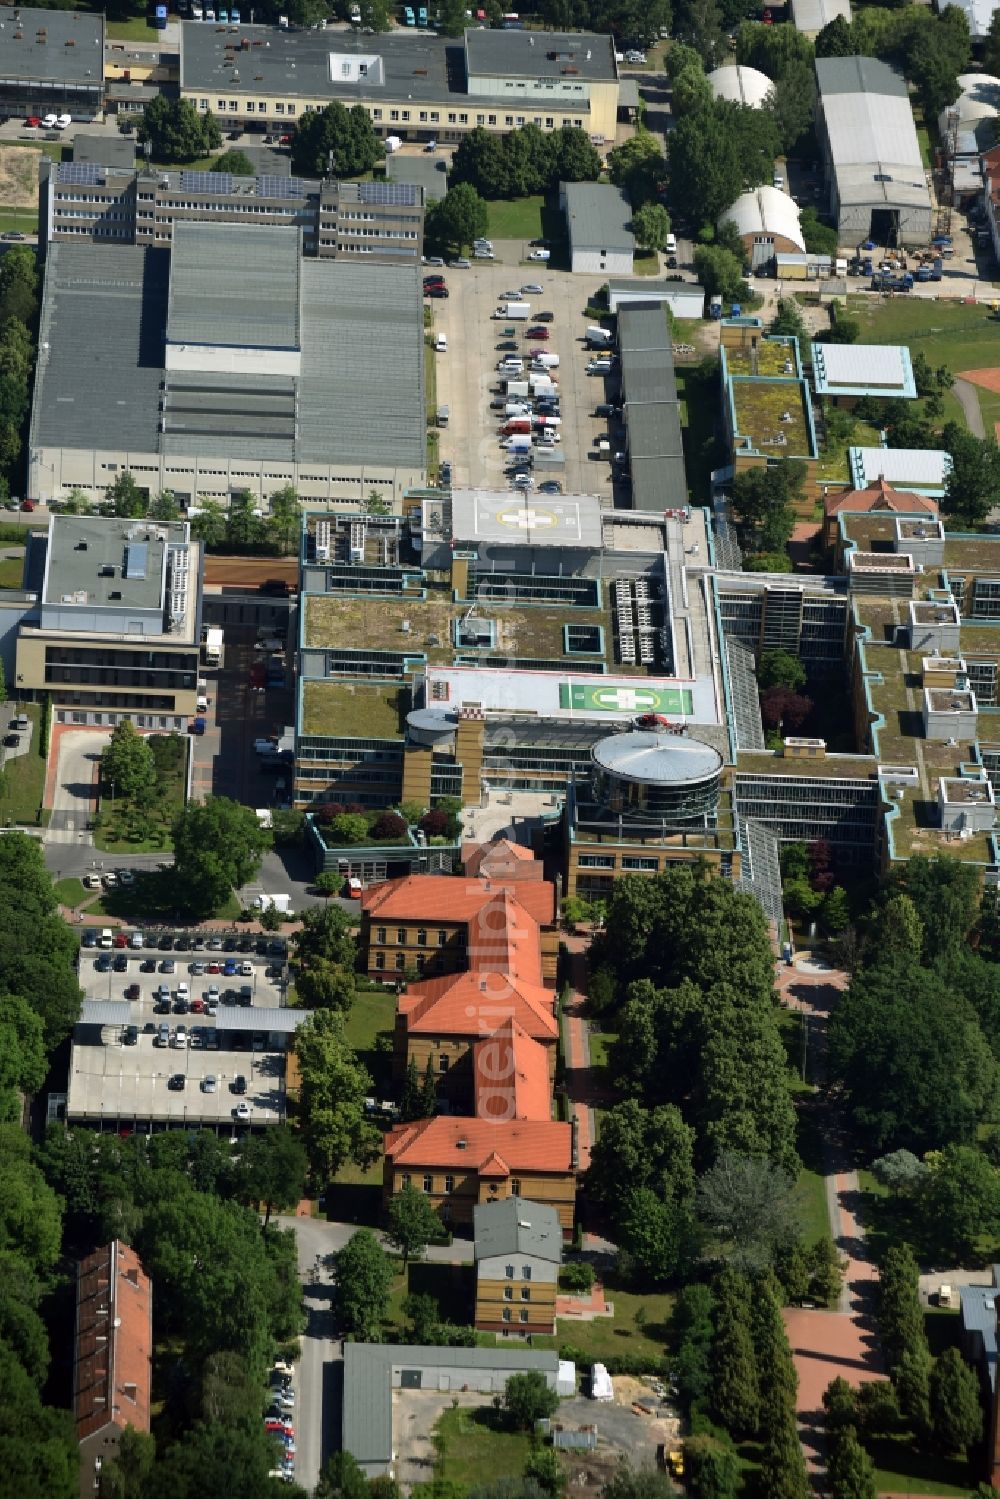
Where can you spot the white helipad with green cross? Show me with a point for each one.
(615, 697)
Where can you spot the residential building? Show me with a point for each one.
(52, 62)
(518, 1248)
(871, 156)
(377, 1377)
(421, 87)
(599, 227)
(112, 1355)
(460, 1163)
(227, 364)
(114, 627)
(767, 221)
(740, 85)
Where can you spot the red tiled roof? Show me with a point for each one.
(488, 1149)
(442, 897)
(473, 1004)
(501, 860)
(503, 938)
(114, 1341)
(511, 1073)
(879, 496)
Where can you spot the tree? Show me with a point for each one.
(129, 501)
(424, 1314)
(452, 17)
(30, 1223)
(836, 911)
(720, 273)
(748, 1205)
(973, 486)
(245, 525)
(389, 825)
(945, 895)
(348, 828)
(693, 1335)
(717, 153)
(900, 1317)
(960, 1196)
(326, 933)
(783, 1467)
(545, 1467)
(899, 1171)
(210, 1458)
(642, 1483)
(736, 1392)
(164, 507)
(840, 1405)
(273, 1168)
(326, 986)
(655, 1234)
(793, 104)
(218, 846)
(37, 949)
(711, 1468)
(527, 1399)
(956, 1411)
(912, 1379)
(127, 763)
(836, 39)
(762, 500)
(334, 1089)
(991, 53)
(126, 1474)
(23, 1063)
(412, 1223)
(283, 520)
(175, 131)
(778, 668)
(788, 322)
(691, 91)
(335, 142)
(651, 225)
(38, 1447)
(236, 162)
(342, 1478)
(364, 1278)
(209, 525)
(459, 218)
(639, 166)
(850, 1470)
(819, 238)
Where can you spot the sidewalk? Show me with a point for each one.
(576, 1047)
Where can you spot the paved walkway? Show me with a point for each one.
(576, 1048)
(827, 1344)
(969, 401)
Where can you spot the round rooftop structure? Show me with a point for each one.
(431, 726)
(740, 84)
(666, 776)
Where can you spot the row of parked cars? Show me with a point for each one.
(279, 1419)
(243, 942)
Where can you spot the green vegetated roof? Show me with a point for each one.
(340, 710)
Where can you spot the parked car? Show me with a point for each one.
(133, 991)
(168, 966)
(239, 1083)
(545, 317)
(208, 1084)
(176, 1082)
(148, 965)
(241, 1111)
(33, 122)
(531, 289)
(437, 291)
(131, 1035)
(89, 938)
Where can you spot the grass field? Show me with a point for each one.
(11, 569)
(71, 893)
(957, 336)
(136, 29)
(902, 1468)
(372, 1013)
(606, 1337)
(470, 1446)
(645, 263)
(698, 392)
(23, 784)
(515, 218)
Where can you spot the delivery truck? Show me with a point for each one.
(514, 311)
(521, 443)
(597, 338)
(213, 647)
(545, 361)
(516, 388)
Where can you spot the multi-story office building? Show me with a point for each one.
(88, 200)
(113, 631)
(417, 87)
(52, 62)
(227, 364)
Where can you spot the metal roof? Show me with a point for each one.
(813, 15)
(978, 1316)
(883, 369)
(366, 1428)
(741, 84)
(858, 75)
(239, 290)
(55, 46)
(979, 100)
(903, 468)
(766, 210)
(598, 216)
(657, 759)
(517, 1226)
(644, 326)
(656, 456)
(539, 54)
(105, 1012)
(261, 1018)
(872, 138)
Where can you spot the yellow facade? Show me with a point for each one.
(520, 1305)
(454, 1193)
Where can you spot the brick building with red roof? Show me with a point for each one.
(877, 497)
(113, 1354)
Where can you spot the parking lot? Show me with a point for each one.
(467, 377)
(176, 984)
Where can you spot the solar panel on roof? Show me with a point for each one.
(281, 187)
(207, 182)
(398, 194)
(82, 173)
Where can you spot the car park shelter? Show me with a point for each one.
(372, 1371)
(871, 155)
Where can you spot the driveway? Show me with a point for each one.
(71, 785)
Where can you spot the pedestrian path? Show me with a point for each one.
(576, 1051)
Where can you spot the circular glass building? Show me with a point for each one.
(662, 776)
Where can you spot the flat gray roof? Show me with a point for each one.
(598, 216)
(96, 555)
(235, 289)
(979, 1317)
(359, 397)
(105, 1012)
(517, 1226)
(540, 54)
(366, 1431)
(260, 1018)
(117, 151)
(652, 413)
(52, 46)
(654, 429)
(423, 171)
(643, 325)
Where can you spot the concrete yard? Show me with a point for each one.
(466, 374)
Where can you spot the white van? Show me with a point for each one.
(106, 938)
(441, 344)
(671, 248)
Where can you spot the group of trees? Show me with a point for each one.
(18, 314)
(334, 1086)
(685, 965)
(809, 887)
(914, 1042)
(176, 132)
(457, 220)
(762, 500)
(523, 161)
(218, 846)
(243, 525)
(930, 50)
(335, 142)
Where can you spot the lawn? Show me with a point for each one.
(515, 218)
(24, 778)
(814, 1220)
(24, 220)
(608, 1337)
(470, 1446)
(453, 1287)
(373, 1013)
(71, 893)
(698, 393)
(124, 827)
(136, 29)
(645, 263)
(958, 336)
(902, 1468)
(11, 569)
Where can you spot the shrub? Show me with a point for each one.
(577, 1276)
(435, 823)
(389, 825)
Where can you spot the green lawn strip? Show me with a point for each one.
(453, 1287)
(698, 391)
(136, 29)
(814, 1220)
(645, 263)
(372, 1013)
(470, 1446)
(11, 570)
(903, 1468)
(959, 336)
(23, 784)
(22, 220)
(14, 533)
(71, 893)
(515, 218)
(606, 1337)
